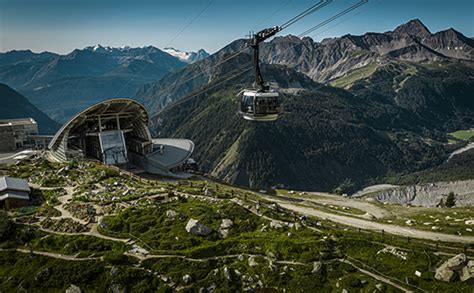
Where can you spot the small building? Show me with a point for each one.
(17, 133)
(14, 192)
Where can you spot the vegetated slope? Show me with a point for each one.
(460, 167)
(15, 105)
(328, 137)
(62, 85)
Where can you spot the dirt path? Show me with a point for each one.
(369, 225)
(325, 198)
(53, 254)
(377, 277)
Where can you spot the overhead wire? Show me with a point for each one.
(310, 10)
(305, 13)
(210, 86)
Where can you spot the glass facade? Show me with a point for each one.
(113, 148)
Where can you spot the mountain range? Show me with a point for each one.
(61, 85)
(386, 105)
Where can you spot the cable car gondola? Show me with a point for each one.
(257, 105)
(261, 103)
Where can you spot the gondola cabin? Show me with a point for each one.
(258, 105)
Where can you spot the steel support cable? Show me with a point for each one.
(334, 17)
(305, 13)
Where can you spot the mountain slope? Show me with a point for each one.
(61, 85)
(327, 138)
(15, 105)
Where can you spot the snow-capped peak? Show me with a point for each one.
(188, 57)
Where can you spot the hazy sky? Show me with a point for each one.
(63, 25)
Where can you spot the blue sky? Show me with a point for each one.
(62, 25)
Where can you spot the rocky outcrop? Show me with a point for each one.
(429, 195)
(455, 268)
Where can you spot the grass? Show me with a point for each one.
(463, 134)
(448, 220)
(354, 75)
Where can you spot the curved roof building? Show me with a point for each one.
(116, 132)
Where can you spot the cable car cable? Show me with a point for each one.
(208, 87)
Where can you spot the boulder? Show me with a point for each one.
(195, 227)
(187, 279)
(73, 289)
(369, 216)
(317, 267)
(223, 233)
(170, 214)
(275, 224)
(467, 273)
(227, 274)
(450, 270)
(469, 222)
(226, 223)
(457, 262)
(252, 262)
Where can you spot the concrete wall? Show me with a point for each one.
(7, 139)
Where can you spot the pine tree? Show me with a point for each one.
(450, 200)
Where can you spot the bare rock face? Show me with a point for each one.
(450, 270)
(429, 195)
(195, 227)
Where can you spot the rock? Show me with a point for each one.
(344, 291)
(170, 214)
(240, 257)
(73, 289)
(457, 262)
(379, 286)
(227, 274)
(467, 274)
(252, 262)
(223, 233)
(226, 223)
(263, 229)
(410, 222)
(275, 225)
(369, 216)
(445, 274)
(187, 279)
(469, 222)
(297, 226)
(450, 270)
(418, 273)
(195, 227)
(317, 267)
